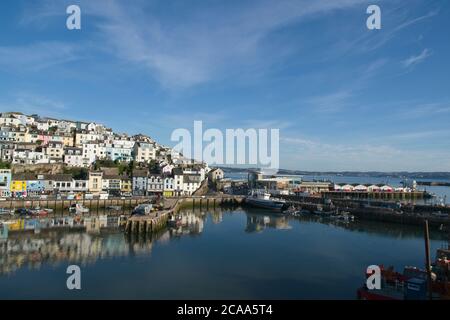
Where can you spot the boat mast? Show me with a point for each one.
(427, 259)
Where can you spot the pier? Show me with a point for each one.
(381, 211)
(157, 220)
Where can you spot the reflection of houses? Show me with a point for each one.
(33, 250)
(191, 223)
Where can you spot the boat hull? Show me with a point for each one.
(266, 204)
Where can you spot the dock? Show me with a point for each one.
(407, 214)
(157, 220)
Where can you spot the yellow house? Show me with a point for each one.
(68, 140)
(95, 181)
(18, 187)
(125, 185)
(168, 193)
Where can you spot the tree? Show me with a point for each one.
(5, 165)
(153, 166)
(77, 173)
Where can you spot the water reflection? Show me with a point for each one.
(258, 222)
(33, 243)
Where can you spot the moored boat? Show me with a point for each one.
(265, 201)
(142, 209)
(412, 284)
(4, 211)
(78, 208)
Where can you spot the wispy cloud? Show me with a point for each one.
(332, 102)
(414, 60)
(34, 104)
(38, 56)
(187, 54)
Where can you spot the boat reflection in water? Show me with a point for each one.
(257, 222)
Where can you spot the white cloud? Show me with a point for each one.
(38, 56)
(414, 60)
(185, 53)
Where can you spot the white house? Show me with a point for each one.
(191, 182)
(169, 186)
(73, 157)
(86, 137)
(92, 151)
(155, 184)
(167, 170)
(119, 150)
(144, 152)
(27, 156)
(55, 150)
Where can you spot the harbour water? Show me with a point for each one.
(236, 254)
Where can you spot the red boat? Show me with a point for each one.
(412, 284)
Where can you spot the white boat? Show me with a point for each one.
(264, 200)
(142, 209)
(4, 211)
(440, 214)
(78, 208)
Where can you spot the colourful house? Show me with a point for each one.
(18, 188)
(35, 187)
(19, 184)
(5, 183)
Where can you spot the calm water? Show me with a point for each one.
(230, 254)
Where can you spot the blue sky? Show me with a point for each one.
(344, 97)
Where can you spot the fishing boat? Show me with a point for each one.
(265, 201)
(41, 212)
(78, 208)
(321, 212)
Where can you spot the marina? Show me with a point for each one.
(215, 253)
